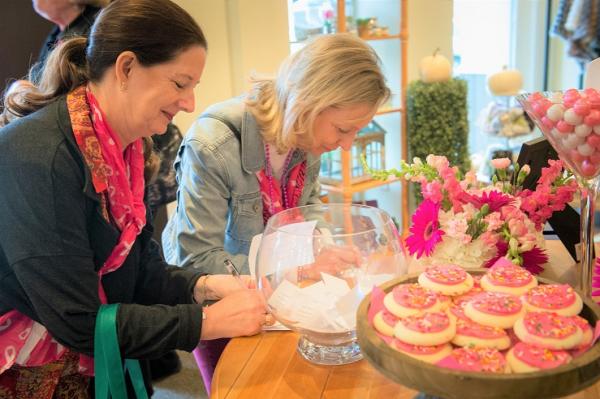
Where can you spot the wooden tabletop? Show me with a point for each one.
(267, 366)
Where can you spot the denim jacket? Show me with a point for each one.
(219, 204)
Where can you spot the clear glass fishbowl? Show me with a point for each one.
(315, 264)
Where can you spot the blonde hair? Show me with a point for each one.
(330, 71)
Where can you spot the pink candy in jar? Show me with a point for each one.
(571, 121)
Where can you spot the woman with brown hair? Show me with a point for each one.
(74, 231)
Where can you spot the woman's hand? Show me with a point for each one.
(216, 286)
(332, 260)
(241, 313)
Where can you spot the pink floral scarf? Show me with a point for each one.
(272, 193)
(118, 177)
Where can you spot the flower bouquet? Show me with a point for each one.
(462, 222)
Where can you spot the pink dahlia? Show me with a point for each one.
(534, 259)
(494, 199)
(425, 231)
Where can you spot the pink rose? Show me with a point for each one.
(500, 163)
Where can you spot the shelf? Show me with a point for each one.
(388, 37)
(383, 111)
(358, 187)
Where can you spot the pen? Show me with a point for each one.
(234, 271)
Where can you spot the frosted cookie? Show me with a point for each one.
(445, 301)
(473, 292)
(456, 312)
(557, 298)
(428, 329)
(548, 330)
(409, 299)
(469, 333)
(429, 354)
(586, 329)
(486, 360)
(384, 322)
(524, 358)
(446, 279)
(495, 309)
(508, 278)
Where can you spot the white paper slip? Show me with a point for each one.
(252, 253)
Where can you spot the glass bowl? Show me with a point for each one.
(316, 263)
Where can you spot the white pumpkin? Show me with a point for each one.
(508, 82)
(435, 68)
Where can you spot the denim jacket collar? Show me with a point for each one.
(253, 154)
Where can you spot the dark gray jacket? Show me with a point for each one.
(53, 240)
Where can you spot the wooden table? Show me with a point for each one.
(267, 366)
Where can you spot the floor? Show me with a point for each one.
(186, 384)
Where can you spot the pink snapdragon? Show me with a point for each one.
(500, 163)
(432, 190)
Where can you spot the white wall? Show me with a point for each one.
(243, 36)
(430, 27)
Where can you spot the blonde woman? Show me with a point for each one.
(250, 157)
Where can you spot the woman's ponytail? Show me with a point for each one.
(65, 69)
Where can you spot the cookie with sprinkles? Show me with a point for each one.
(558, 298)
(428, 329)
(473, 292)
(525, 358)
(495, 309)
(409, 299)
(486, 360)
(586, 329)
(469, 333)
(548, 330)
(456, 312)
(509, 278)
(384, 322)
(446, 279)
(429, 354)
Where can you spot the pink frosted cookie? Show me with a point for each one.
(495, 309)
(456, 312)
(486, 360)
(409, 299)
(469, 333)
(428, 329)
(586, 329)
(524, 358)
(557, 298)
(429, 354)
(446, 279)
(508, 278)
(384, 322)
(445, 301)
(473, 292)
(548, 330)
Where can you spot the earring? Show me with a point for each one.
(123, 86)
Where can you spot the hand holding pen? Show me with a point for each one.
(269, 320)
(235, 273)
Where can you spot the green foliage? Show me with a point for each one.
(437, 121)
